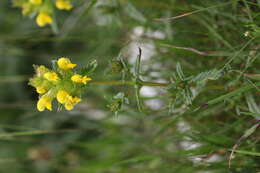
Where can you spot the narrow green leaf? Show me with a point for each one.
(256, 115)
(248, 153)
(233, 93)
(138, 159)
(250, 131)
(137, 96)
(179, 71)
(252, 105)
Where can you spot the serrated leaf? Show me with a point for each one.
(91, 66)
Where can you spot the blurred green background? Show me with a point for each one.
(91, 139)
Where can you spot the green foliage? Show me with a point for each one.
(182, 78)
(89, 68)
(117, 102)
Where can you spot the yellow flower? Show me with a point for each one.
(63, 4)
(62, 96)
(80, 79)
(44, 102)
(36, 2)
(51, 76)
(76, 78)
(76, 100)
(43, 19)
(40, 90)
(69, 104)
(65, 64)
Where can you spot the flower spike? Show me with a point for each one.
(61, 83)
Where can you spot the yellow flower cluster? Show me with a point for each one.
(62, 83)
(43, 8)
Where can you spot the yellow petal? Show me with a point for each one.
(79, 79)
(44, 102)
(62, 96)
(71, 66)
(40, 106)
(51, 76)
(85, 79)
(76, 100)
(43, 19)
(76, 78)
(36, 2)
(48, 106)
(68, 106)
(41, 90)
(63, 4)
(65, 64)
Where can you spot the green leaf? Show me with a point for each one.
(54, 27)
(180, 72)
(252, 105)
(250, 131)
(208, 75)
(233, 93)
(248, 153)
(138, 159)
(91, 66)
(256, 115)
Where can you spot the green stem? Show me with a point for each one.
(129, 83)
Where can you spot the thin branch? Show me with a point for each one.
(190, 13)
(186, 48)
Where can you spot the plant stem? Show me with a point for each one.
(129, 83)
(10, 79)
(156, 84)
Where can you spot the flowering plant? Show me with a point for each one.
(44, 10)
(62, 82)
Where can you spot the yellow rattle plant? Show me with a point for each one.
(42, 10)
(63, 83)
